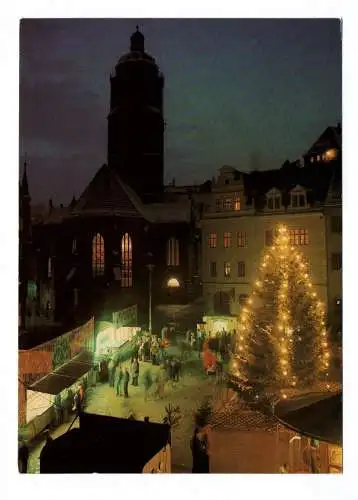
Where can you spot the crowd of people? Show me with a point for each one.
(148, 350)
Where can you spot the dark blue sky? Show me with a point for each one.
(249, 93)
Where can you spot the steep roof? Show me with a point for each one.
(315, 178)
(106, 193)
(331, 137)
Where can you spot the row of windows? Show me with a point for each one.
(126, 276)
(126, 273)
(297, 237)
(274, 199)
(329, 155)
(336, 264)
(241, 239)
(228, 204)
(241, 270)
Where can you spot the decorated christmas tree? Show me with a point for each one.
(282, 338)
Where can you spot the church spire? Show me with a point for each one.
(137, 41)
(24, 183)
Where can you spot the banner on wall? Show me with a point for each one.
(126, 317)
(43, 359)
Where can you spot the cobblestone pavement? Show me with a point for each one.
(242, 440)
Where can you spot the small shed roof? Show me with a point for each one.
(317, 415)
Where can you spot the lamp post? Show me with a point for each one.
(150, 268)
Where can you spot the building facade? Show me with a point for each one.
(241, 218)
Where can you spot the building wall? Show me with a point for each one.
(255, 227)
(334, 246)
(149, 245)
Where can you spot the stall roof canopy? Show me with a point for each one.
(314, 415)
(105, 445)
(64, 376)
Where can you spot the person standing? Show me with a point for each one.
(125, 382)
(154, 351)
(119, 381)
(135, 372)
(23, 458)
(147, 382)
(200, 451)
(111, 368)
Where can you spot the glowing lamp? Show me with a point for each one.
(173, 283)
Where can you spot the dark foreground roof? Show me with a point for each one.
(314, 415)
(105, 445)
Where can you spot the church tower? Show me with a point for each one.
(135, 121)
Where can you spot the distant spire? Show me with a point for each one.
(73, 201)
(24, 183)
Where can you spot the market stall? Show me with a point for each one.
(316, 424)
(214, 325)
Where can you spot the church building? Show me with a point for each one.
(126, 238)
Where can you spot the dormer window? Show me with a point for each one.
(298, 197)
(273, 198)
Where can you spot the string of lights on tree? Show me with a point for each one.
(281, 341)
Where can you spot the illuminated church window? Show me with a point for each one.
(98, 255)
(126, 261)
(173, 252)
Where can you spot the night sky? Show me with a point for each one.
(248, 93)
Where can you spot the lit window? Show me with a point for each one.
(336, 261)
(126, 261)
(241, 239)
(241, 269)
(219, 204)
(237, 203)
(298, 237)
(227, 240)
(331, 154)
(212, 240)
(49, 268)
(213, 272)
(311, 159)
(228, 204)
(318, 158)
(173, 283)
(227, 270)
(173, 252)
(98, 255)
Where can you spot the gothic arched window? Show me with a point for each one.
(173, 252)
(126, 261)
(98, 255)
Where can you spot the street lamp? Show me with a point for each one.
(150, 268)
